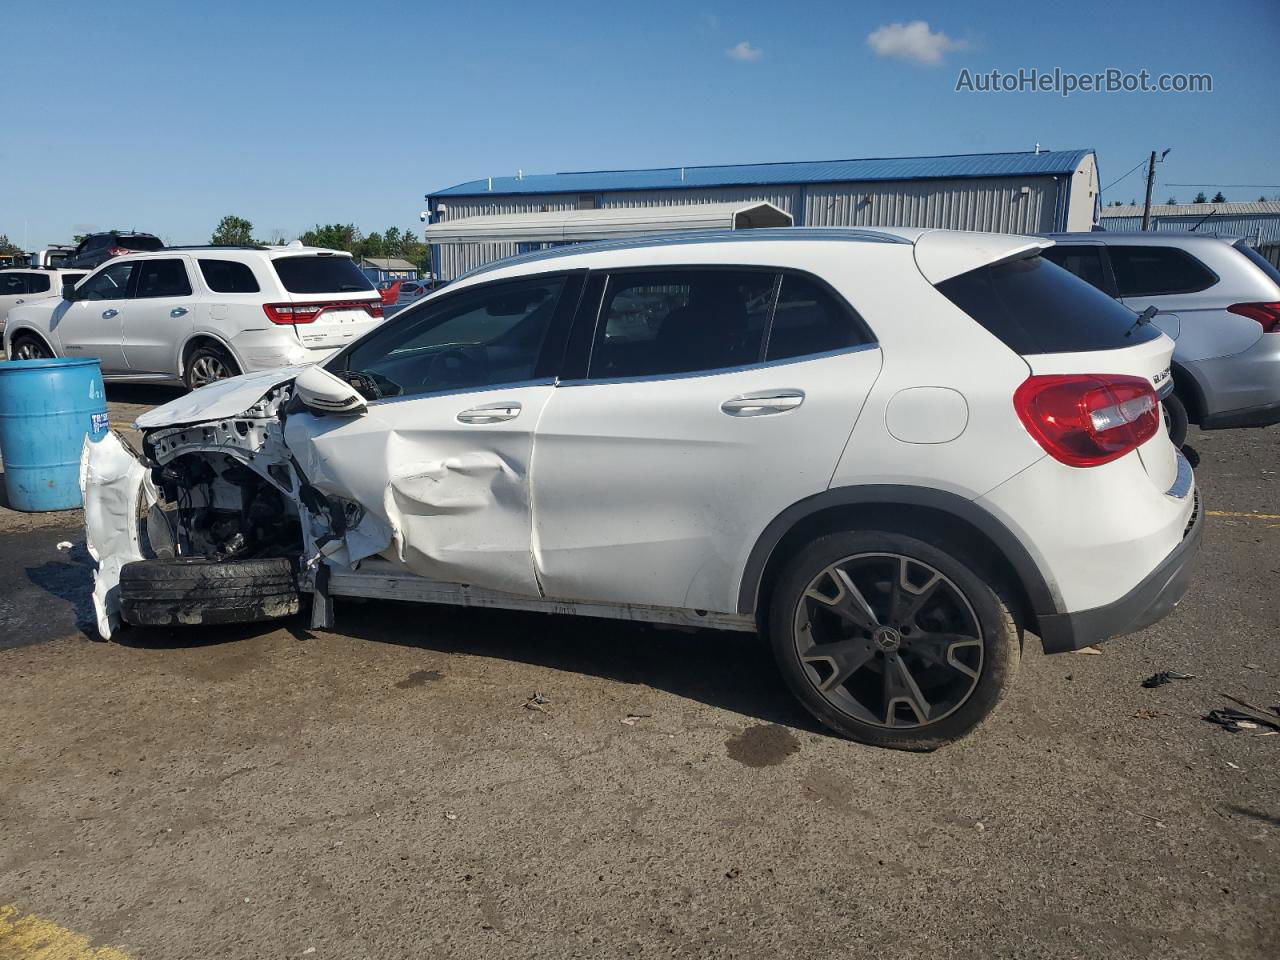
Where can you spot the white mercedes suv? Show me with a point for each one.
(891, 451)
(200, 314)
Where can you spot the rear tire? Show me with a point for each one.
(922, 662)
(208, 364)
(28, 347)
(1174, 414)
(190, 590)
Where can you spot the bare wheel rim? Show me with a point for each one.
(888, 640)
(207, 368)
(30, 350)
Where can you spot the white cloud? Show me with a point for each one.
(912, 41)
(744, 52)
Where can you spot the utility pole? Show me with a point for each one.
(1151, 182)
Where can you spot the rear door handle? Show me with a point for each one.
(178, 312)
(763, 403)
(491, 412)
(109, 313)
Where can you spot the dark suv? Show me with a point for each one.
(97, 248)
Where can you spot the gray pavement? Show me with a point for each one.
(382, 789)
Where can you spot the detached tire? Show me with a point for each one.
(892, 641)
(189, 590)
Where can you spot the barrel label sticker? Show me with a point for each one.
(99, 422)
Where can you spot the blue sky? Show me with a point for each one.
(165, 116)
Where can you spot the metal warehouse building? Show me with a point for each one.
(1033, 192)
(1258, 223)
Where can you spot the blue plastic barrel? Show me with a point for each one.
(47, 408)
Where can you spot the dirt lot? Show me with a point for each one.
(384, 790)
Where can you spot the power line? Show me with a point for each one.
(1118, 179)
(1237, 186)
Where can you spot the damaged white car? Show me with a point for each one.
(892, 452)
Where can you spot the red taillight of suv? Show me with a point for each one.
(291, 314)
(1267, 314)
(1085, 420)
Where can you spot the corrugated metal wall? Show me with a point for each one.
(1264, 229)
(987, 204)
(979, 204)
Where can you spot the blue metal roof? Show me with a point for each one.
(1044, 163)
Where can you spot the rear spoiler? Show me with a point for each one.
(943, 254)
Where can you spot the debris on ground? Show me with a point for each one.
(1090, 649)
(1164, 676)
(1147, 713)
(539, 702)
(631, 719)
(450, 815)
(65, 545)
(1245, 716)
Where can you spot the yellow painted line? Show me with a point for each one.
(1246, 516)
(34, 938)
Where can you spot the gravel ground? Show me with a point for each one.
(386, 790)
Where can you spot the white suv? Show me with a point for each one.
(201, 314)
(891, 451)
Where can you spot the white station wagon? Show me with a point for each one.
(890, 451)
(201, 314)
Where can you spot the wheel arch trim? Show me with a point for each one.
(193, 341)
(1041, 595)
(11, 333)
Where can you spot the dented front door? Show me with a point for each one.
(439, 466)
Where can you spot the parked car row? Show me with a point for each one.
(763, 431)
(199, 314)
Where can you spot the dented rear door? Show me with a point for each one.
(440, 464)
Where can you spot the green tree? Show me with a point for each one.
(232, 231)
(1200, 198)
(1218, 198)
(334, 236)
(1172, 201)
(9, 248)
(1263, 198)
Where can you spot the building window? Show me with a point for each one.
(588, 201)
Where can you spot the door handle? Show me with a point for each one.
(19, 300)
(763, 403)
(109, 313)
(178, 312)
(491, 412)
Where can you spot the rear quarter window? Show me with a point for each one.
(228, 276)
(321, 274)
(1034, 306)
(131, 242)
(1157, 271)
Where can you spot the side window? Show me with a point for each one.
(1153, 271)
(109, 283)
(162, 278)
(38, 283)
(681, 321)
(13, 284)
(482, 337)
(228, 276)
(1085, 261)
(810, 320)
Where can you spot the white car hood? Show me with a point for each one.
(226, 398)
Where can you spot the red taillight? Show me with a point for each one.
(118, 251)
(292, 314)
(1084, 420)
(1267, 314)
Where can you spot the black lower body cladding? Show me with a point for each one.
(187, 590)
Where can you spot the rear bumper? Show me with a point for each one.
(1151, 600)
